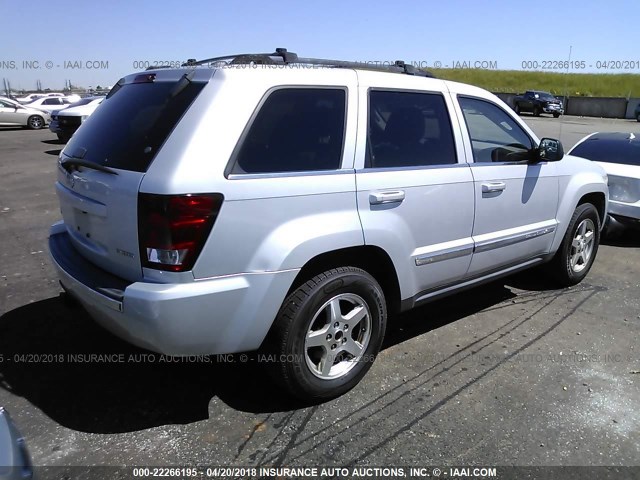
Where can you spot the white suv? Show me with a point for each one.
(293, 205)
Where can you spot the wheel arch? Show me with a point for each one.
(594, 194)
(369, 258)
(598, 200)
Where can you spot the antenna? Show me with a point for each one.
(566, 93)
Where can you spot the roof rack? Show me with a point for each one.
(283, 56)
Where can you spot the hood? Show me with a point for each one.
(572, 164)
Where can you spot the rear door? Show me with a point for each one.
(101, 168)
(415, 190)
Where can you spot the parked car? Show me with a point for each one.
(12, 114)
(636, 112)
(619, 154)
(538, 102)
(29, 98)
(65, 122)
(15, 462)
(292, 210)
(34, 96)
(49, 104)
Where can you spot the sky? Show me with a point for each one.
(96, 43)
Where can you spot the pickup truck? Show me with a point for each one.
(538, 102)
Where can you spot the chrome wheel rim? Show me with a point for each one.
(35, 122)
(338, 336)
(582, 245)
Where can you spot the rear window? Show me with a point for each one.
(610, 150)
(129, 128)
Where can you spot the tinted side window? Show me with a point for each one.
(296, 130)
(51, 101)
(495, 136)
(408, 130)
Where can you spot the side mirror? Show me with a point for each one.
(550, 150)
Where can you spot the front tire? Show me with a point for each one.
(327, 334)
(536, 111)
(517, 109)
(638, 117)
(35, 122)
(579, 246)
(556, 114)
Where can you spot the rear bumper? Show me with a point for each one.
(218, 315)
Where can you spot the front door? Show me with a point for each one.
(516, 198)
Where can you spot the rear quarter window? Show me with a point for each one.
(129, 128)
(295, 130)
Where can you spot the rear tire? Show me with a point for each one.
(327, 334)
(579, 247)
(35, 122)
(517, 109)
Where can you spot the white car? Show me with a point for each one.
(50, 104)
(65, 122)
(34, 96)
(619, 154)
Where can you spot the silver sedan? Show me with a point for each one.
(12, 114)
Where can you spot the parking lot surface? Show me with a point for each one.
(512, 373)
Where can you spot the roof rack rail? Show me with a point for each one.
(283, 56)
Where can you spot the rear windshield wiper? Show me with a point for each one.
(69, 165)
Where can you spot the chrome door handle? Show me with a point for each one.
(493, 187)
(378, 198)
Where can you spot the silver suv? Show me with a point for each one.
(293, 205)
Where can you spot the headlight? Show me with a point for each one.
(623, 189)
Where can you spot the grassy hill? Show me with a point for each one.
(573, 84)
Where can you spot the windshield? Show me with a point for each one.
(130, 127)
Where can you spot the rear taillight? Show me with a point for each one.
(172, 229)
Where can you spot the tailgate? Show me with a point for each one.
(100, 213)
